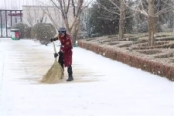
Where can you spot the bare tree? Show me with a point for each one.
(53, 15)
(33, 15)
(52, 12)
(148, 9)
(69, 16)
(120, 10)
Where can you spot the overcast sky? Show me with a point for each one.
(17, 4)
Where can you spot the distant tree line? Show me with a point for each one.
(127, 16)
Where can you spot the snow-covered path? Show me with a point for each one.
(102, 87)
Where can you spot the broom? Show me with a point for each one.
(55, 73)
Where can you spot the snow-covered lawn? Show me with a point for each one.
(102, 87)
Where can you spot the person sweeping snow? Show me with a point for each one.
(65, 53)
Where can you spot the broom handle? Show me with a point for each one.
(54, 48)
(55, 51)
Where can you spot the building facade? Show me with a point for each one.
(42, 14)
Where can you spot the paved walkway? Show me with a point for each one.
(102, 87)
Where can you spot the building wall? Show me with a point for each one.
(49, 14)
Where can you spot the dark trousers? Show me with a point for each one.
(61, 62)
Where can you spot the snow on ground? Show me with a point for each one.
(102, 87)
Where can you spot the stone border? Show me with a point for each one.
(145, 64)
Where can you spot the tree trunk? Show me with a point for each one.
(151, 22)
(67, 25)
(75, 32)
(122, 20)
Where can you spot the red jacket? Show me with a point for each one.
(66, 48)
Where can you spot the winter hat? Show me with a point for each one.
(62, 29)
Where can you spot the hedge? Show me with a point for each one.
(145, 64)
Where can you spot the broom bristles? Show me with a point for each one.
(54, 74)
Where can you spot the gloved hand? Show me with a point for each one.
(55, 55)
(52, 39)
(60, 53)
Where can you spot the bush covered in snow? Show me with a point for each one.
(43, 32)
(22, 29)
(27, 33)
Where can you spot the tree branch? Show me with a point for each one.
(109, 10)
(68, 6)
(115, 4)
(80, 3)
(137, 9)
(162, 11)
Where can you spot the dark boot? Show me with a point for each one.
(70, 76)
